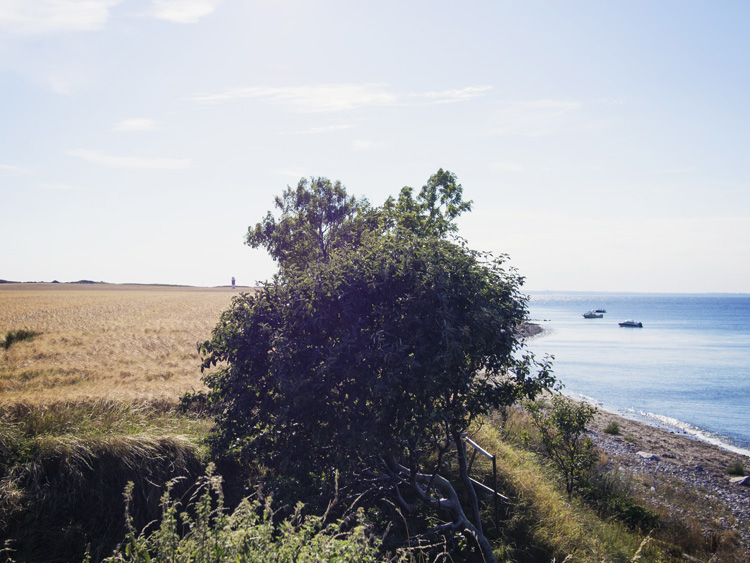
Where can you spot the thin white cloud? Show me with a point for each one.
(135, 124)
(33, 17)
(340, 97)
(130, 161)
(67, 81)
(316, 130)
(11, 170)
(537, 118)
(455, 95)
(57, 187)
(311, 98)
(183, 11)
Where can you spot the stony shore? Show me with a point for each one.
(685, 477)
(674, 472)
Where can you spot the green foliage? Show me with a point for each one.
(612, 428)
(367, 353)
(13, 336)
(369, 362)
(736, 468)
(63, 467)
(205, 531)
(612, 497)
(316, 218)
(562, 428)
(432, 212)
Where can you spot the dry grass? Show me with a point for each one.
(117, 341)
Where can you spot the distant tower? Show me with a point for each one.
(232, 282)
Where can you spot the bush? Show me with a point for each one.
(612, 497)
(736, 468)
(612, 428)
(562, 429)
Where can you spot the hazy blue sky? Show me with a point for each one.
(606, 145)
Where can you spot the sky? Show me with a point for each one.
(605, 144)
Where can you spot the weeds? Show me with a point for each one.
(610, 493)
(736, 468)
(206, 531)
(613, 428)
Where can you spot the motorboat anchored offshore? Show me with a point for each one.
(593, 315)
(632, 323)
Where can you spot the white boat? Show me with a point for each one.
(592, 315)
(631, 322)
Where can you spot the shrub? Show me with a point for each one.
(612, 428)
(736, 468)
(611, 496)
(562, 428)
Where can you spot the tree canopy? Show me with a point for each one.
(375, 352)
(317, 217)
(432, 211)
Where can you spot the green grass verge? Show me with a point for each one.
(64, 467)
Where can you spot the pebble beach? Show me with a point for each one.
(678, 474)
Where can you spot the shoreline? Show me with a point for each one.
(677, 473)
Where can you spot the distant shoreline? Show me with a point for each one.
(102, 286)
(530, 330)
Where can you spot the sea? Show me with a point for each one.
(686, 370)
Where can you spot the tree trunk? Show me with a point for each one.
(449, 503)
(463, 470)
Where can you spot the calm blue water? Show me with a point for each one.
(688, 368)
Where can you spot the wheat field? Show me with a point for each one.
(127, 342)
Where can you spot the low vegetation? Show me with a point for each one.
(64, 466)
(736, 468)
(613, 428)
(206, 530)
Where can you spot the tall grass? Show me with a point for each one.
(64, 467)
(206, 531)
(539, 523)
(612, 516)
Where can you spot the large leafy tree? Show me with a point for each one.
(373, 363)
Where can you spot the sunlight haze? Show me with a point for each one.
(604, 144)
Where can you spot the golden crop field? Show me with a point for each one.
(105, 341)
